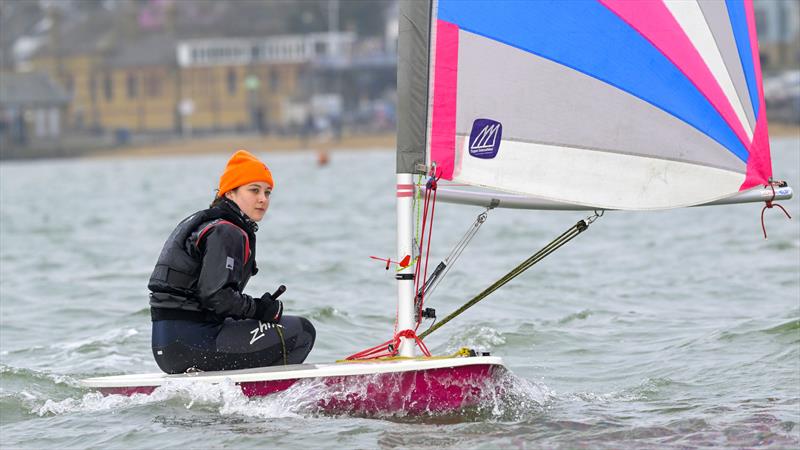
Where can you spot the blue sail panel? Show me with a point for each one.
(585, 36)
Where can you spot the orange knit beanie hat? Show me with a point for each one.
(243, 168)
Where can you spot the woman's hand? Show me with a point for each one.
(269, 309)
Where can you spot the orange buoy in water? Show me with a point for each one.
(322, 157)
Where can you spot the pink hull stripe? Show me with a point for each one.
(759, 164)
(446, 389)
(655, 23)
(445, 88)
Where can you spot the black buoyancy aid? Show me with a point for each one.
(174, 278)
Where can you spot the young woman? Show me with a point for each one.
(202, 319)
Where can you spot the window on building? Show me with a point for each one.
(93, 87)
(231, 81)
(108, 87)
(274, 81)
(69, 83)
(153, 85)
(132, 85)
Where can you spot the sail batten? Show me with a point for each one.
(656, 95)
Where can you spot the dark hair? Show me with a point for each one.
(219, 199)
(216, 201)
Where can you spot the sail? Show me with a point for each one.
(614, 104)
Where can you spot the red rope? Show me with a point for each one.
(769, 204)
(391, 347)
(421, 240)
(431, 187)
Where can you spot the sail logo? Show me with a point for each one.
(484, 140)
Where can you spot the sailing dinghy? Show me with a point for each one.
(590, 105)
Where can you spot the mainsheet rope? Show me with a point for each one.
(554, 245)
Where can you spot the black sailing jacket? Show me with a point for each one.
(205, 265)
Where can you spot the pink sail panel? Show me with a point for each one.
(759, 164)
(445, 88)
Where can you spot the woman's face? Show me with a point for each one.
(252, 199)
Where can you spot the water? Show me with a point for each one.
(663, 329)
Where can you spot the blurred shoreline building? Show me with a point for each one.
(154, 69)
(778, 25)
(31, 98)
(165, 66)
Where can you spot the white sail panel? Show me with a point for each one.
(628, 181)
(690, 17)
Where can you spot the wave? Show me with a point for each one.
(581, 315)
(326, 312)
(478, 337)
(114, 336)
(788, 330)
(647, 389)
(9, 375)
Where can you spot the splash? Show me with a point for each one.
(502, 396)
(648, 389)
(225, 397)
(188, 394)
(427, 397)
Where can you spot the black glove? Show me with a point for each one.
(268, 309)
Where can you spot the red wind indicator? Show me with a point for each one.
(403, 263)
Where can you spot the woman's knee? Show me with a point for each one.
(308, 328)
(300, 332)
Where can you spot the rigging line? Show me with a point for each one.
(422, 238)
(420, 283)
(427, 251)
(417, 200)
(554, 245)
(459, 248)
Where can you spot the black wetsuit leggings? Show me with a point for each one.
(180, 345)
